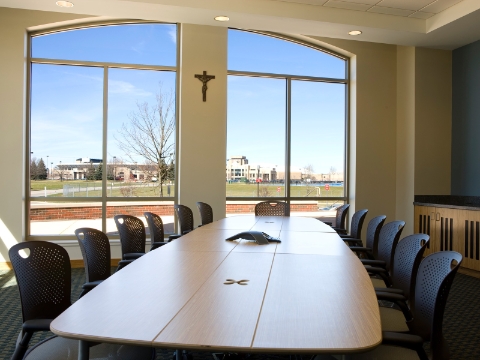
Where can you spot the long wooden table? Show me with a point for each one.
(307, 294)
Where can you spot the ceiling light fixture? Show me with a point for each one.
(222, 18)
(66, 4)
(354, 32)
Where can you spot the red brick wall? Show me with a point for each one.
(95, 212)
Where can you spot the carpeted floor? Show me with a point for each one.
(461, 323)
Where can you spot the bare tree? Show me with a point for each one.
(308, 177)
(149, 133)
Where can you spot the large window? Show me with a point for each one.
(286, 130)
(102, 127)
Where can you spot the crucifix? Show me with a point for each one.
(204, 79)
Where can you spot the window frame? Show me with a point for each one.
(288, 117)
(104, 199)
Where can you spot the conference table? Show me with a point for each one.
(308, 294)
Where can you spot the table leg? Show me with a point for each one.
(83, 350)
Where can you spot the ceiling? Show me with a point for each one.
(444, 24)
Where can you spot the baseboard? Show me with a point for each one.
(470, 272)
(75, 264)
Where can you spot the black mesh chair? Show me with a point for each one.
(206, 213)
(371, 242)
(434, 280)
(272, 208)
(401, 280)
(387, 242)
(357, 224)
(43, 276)
(340, 217)
(155, 226)
(185, 219)
(132, 236)
(95, 248)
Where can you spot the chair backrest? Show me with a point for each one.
(272, 208)
(434, 280)
(341, 216)
(387, 241)
(357, 223)
(373, 233)
(132, 233)
(155, 226)
(185, 218)
(206, 212)
(96, 253)
(43, 277)
(407, 258)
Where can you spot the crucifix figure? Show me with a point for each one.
(204, 79)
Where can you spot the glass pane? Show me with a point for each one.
(141, 133)
(66, 130)
(164, 209)
(260, 53)
(255, 137)
(61, 218)
(324, 210)
(318, 139)
(152, 44)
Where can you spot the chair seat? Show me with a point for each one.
(393, 320)
(378, 283)
(90, 285)
(58, 348)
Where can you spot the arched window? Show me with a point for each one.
(95, 98)
(286, 127)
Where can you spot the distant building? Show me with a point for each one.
(239, 169)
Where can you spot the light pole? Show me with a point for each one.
(60, 171)
(114, 168)
(47, 167)
(258, 180)
(51, 169)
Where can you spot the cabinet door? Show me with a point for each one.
(469, 239)
(446, 229)
(424, 223)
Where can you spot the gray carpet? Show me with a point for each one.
(461, 323)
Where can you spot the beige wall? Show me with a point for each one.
(405, 135)
(433, 121)
(381, 155)
(203, 131)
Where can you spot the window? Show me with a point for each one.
(93, 92)
(286, 123)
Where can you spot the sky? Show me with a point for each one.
(67, 101)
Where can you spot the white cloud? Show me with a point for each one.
(124, 87)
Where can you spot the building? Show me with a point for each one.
(239, 169)
(412, 125)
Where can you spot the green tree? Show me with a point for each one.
(98, 172)
(90, 175)
(33, 169)
(41, 170)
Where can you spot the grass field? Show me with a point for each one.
(122, 189)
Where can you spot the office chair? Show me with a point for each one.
(206, 213)
(132, 236)
(272, 208)
(155, 226)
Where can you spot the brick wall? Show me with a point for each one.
(95, 212)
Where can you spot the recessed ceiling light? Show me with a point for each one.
(222, 18)
(354, 32)
(66, 4)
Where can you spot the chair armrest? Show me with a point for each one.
(37, 325)
(122, 264)
(341, 232)
(359, 248)
(389, 290)
(352, 241)
(376, 263)
(408, 341)
(132, 256)
(156, 245)
(186, 232)
(397, 299)
(173, 237)
(329, 223)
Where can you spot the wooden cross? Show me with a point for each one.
(204, 79)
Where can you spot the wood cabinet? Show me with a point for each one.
(451, 229)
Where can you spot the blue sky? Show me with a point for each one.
(67, 101)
